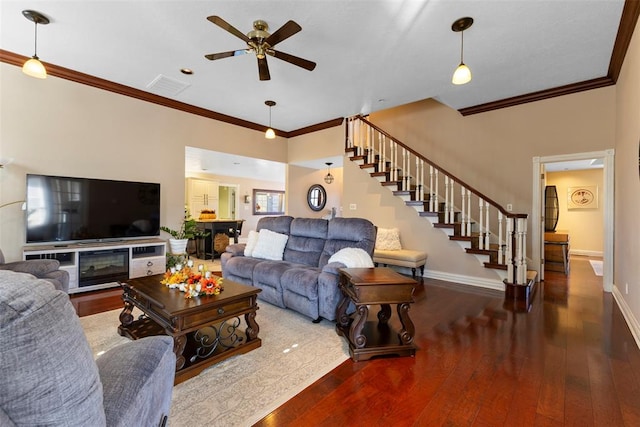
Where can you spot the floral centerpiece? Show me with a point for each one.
(192, 283)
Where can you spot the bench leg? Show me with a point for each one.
(413, 272)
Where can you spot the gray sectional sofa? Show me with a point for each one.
(303, 280)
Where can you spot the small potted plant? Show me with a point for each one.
(180, 237)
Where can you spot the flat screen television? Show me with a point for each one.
(67, 209)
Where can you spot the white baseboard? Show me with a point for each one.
(583, 252)
(465, 280)
(631, 320)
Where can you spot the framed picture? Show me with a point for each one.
(584, 197)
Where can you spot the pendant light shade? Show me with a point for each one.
(270, 133)
(328, 178)
(462, 74)
(33, 67)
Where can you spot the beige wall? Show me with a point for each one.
(585, 226)
(627, 185)
(58, 127)
(300, 179)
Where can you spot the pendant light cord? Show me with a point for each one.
(462, 46)
(35, 42)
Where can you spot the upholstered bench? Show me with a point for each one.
(401, 258)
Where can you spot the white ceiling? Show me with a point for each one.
(370, 55)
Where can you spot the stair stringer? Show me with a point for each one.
(446, 259)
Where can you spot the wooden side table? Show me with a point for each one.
(366, 287)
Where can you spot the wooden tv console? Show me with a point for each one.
(145, 257)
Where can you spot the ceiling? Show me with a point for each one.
(370, 55)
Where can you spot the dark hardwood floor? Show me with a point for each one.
(570, 360)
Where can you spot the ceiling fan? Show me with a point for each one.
(261, 43)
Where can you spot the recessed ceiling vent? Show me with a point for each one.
(166, 86)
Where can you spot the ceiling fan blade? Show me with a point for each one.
(220, 55)
(283, 33)
(263, 69)
(228, 27)
(300, 62)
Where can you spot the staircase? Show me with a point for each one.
(482, 227)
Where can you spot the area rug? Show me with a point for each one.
(597, 266)
(243, 389)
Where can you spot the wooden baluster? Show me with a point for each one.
(446, 199)
(481, 224)
(422, 181)
(500, 250)
(463, 212)
(452, 205)
(487, 235)
(469, 213)
(431, 194)
(405, 169)
(383, 158)
(436, 194)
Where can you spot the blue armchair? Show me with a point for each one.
(50, 376)
(48, 269)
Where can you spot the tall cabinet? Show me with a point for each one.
(202, 194)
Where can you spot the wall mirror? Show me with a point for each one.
(268, 202)
(316, 197)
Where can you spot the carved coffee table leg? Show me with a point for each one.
(126, 318)
(355, 334)
(384, 314)
(408, 330)
(179, 343)
(252, 326)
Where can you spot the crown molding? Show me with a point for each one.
(628, 20)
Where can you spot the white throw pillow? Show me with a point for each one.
(270, 245)
(252, 239)
(388, 239)
(352, 258)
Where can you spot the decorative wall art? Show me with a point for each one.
(584, 197)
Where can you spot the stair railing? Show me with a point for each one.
(445, 194)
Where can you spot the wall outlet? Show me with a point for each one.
(353, 206)
(509, 207)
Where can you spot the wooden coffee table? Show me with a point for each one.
(367, 287)
(205, 329)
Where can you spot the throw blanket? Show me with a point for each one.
(352, 258)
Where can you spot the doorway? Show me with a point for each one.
(537, 223)
(228, 201)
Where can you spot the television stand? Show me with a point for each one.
(142, 257)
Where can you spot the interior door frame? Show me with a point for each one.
(608, 198)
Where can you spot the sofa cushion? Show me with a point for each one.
(278, 224)
(270, 245)
(306, 241)
(348, 233)
(49, 376)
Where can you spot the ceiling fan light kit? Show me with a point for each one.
(462, 74)
(33, 67)
(270, 133)
(261, 42)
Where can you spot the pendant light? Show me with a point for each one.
(462, 74)
(328, 178)
(33, 67)
(270, 133)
